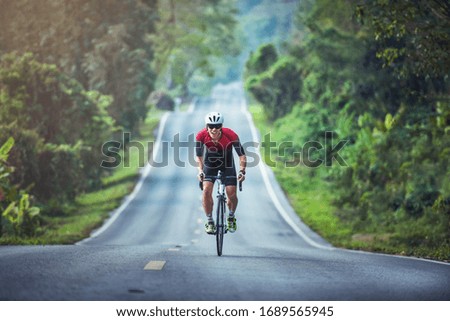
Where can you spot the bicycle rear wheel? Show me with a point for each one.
(220, 230)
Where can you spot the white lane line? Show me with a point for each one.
(155, 265)
(271, 191)
(138, 186)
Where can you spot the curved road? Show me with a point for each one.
(154, 246)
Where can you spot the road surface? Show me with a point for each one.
(154, 247)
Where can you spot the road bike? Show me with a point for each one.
(221, 226)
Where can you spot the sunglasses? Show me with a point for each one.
(216, 126)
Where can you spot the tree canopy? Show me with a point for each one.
(189, 37)
(75, 74)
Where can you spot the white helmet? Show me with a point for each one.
(214, 118)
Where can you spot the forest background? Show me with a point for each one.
(372, 74)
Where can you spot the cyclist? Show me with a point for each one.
(214, 150)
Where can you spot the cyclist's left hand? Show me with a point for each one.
(241, 176)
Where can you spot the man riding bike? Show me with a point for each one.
(214, 150)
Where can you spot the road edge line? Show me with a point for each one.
(281, 210)
(291, 223)
(130, 197)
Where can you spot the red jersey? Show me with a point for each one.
(221, 150)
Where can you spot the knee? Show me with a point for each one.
(207, 194)
(232, 195)
(207, 190)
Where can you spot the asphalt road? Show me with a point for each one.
(154, 247)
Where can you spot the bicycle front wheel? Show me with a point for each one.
(220, 230)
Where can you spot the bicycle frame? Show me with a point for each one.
(221, 227)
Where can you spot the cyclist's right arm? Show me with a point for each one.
(200, 175)
(200, 163)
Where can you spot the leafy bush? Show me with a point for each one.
(61, 171)
(261, 60)
(22, 216)
(58, 126)
(24, 156)
(277, 88)
(15, 205)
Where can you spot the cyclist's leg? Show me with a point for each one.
(232, 200)
(208, 186)
(207, 199)
(230, 183)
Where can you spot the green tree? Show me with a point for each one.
(188, 36)
(50, 114)
(42, 98)
(412, 36)
(101, 44)
(278, 88)
(261, 60)
(370, 85)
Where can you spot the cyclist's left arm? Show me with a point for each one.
(242, 159)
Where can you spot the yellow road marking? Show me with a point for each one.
(155, 265)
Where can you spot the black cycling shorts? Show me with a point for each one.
(228, 172)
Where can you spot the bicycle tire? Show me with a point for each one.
(220, 227)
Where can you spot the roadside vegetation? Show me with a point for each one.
(77, 74)
(88, 210)
(373, 74)
(368, 76)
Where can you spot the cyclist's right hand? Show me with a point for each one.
(201, 176)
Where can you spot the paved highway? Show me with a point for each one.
(154, 246)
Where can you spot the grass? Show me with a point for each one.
(306, 191)
(312, 200)
(89, 210)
